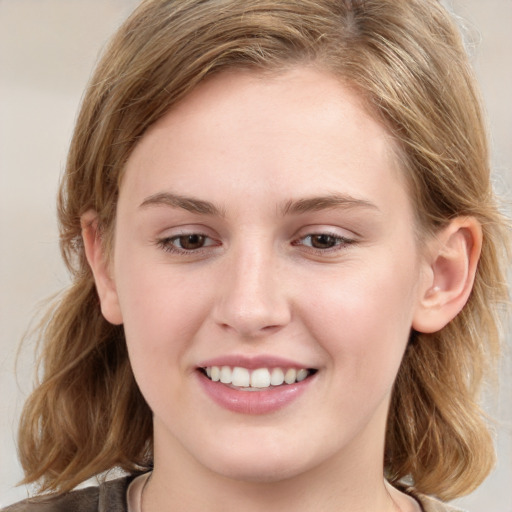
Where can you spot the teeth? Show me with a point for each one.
(215, 373)
(290, 376)
(240, 377)
(225, 375)
(302, 374)
(260, 378)
(277, 377)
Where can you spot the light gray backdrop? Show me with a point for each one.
(47, 50)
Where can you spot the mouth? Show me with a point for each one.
(258, 379)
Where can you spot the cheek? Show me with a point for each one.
(157, 299)
(362, 317)
(162, 313)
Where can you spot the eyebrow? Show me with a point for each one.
(186, 203)
(314, 204)
(300, 206)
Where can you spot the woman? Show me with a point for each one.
(287, 265)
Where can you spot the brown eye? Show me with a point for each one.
(190, 242)
(187, 243)
(323, 241)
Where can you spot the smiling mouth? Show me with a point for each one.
(259, 379)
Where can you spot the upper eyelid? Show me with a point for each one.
(303, 232)
(189, 233)
(184, 230)
(300, 233)
(333, 235)
(335, 231)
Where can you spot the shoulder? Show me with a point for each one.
(430, 504)
(107, 497)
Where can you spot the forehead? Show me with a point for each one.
(303, 123)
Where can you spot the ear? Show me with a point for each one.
(451, 261)
(96, 257)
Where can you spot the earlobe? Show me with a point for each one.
(452, 263)
(97, 260)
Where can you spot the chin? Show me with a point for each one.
(261, 473)
(258, 466)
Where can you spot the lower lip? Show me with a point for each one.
(253, 402)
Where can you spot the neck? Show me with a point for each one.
(292, 494)
(343, 483)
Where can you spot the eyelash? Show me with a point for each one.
(339, 242)
(167, 244)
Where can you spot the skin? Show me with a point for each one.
(253, 147)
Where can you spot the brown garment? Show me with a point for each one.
(111, 497)
(107, 497)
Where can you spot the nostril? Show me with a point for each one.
(251, 328)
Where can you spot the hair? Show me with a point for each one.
(407, 61)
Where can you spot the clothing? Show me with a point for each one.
(111, 497)
(135, 491)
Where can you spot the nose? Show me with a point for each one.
(252, 299)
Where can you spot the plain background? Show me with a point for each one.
(47, 51)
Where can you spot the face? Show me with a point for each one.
(264, 232)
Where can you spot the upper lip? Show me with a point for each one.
(253, 362)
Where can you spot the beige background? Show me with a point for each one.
(47, 50)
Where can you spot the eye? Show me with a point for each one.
(324, 241)
(321, 241)
(190, 242)
(186, 243)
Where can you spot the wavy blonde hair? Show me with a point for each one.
(406, 59)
